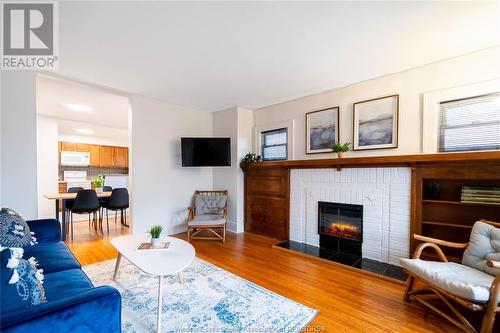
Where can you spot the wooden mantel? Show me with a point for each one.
(492, 157)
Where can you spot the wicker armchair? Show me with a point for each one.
(474, 284)
(209, 213)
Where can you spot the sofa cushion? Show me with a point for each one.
(203, 220)
(52, 257)
(14, 231)
(65, 283)
(455, 278)
(484, 244)
(210, 204)
(20, 281)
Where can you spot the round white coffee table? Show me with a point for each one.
(160, 263)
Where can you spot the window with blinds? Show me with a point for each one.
(470, 124)
(274, 145)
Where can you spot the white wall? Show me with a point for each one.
(225, 124)
(47, 164)
(18, 132)
(161, 188)
(245, 141)
(237, 124)
(410, 85)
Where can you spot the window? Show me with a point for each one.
(470, 124)
(275, 145)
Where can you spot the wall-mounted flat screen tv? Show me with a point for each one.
(202, 152)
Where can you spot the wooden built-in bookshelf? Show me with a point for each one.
(446, 217)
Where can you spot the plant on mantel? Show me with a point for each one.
(249, 159)
(340, 148)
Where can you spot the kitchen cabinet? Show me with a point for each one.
(63, 187)
(68, 146)
(106, 156)
(95, 158)
(100, 156)
(120, 157)
(83, 147)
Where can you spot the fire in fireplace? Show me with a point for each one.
(340, 220)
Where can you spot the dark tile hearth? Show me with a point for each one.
(365, 264)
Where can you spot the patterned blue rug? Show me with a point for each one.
(210, 300)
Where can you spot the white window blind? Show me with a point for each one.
(274, 145)
(470, 124)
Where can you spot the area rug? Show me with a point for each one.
(210, 300)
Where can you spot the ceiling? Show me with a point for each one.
(213, 55)
(107, 115)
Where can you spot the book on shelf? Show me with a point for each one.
(480, 194)
(482, 202)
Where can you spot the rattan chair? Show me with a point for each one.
(473, 284)
(209, 213)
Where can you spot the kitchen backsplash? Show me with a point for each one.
(92, 172)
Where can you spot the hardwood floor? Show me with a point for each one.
(348, 301)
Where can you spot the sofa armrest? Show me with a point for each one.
(94, 310)
(48, 230)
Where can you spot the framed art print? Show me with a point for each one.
(322, 130)
(376, 123)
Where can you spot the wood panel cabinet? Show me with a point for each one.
(120, 157)
(100, 156)
(445, 216)
(95, 158)
(106, 156)
(68, 146)
(82, 147)
(267, 202)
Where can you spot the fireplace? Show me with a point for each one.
(340, 227)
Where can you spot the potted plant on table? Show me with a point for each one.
(98, 183)
(155, 232)
(341, 149)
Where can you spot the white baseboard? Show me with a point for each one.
(232, 226)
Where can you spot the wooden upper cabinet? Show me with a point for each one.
(83, 147)
(106, 156)
(100, 156)
(68, 146)
(95, 158)
(120, 157)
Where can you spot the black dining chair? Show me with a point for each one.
(69, 203)
(104, 201)
(118, 201)
(86, 201)
(107, 189)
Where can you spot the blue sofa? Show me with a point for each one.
(73, 303)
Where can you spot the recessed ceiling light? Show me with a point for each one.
(78, 107)
(85, 131)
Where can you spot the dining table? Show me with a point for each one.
(63, 198)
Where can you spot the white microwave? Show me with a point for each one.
(75, 158)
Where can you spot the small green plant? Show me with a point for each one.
(434, 190)
(155, 231)
(98, 181)
(341, 148)
(251, 158)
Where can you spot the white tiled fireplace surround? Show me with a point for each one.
(383, 192)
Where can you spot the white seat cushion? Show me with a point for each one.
(459, 280)
(202, 220)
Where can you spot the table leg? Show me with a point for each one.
(63, 219)
(158, 316)
(57, 213)
(118, 259)
(179, 276)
